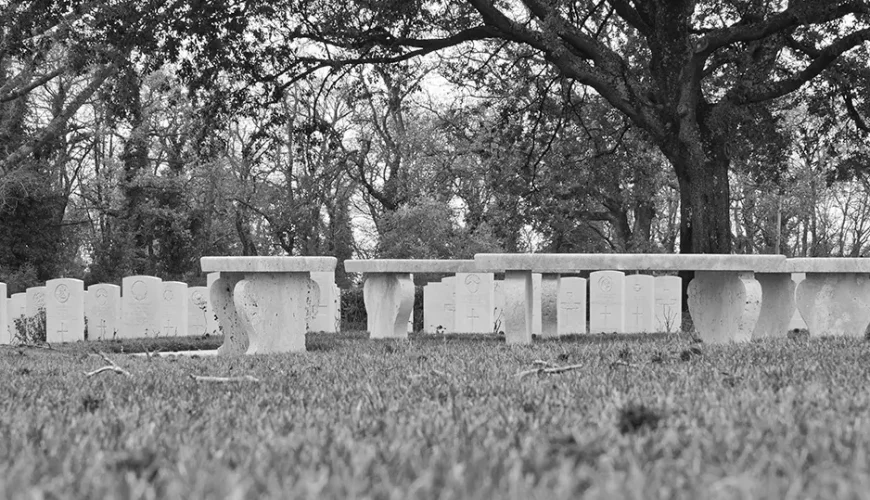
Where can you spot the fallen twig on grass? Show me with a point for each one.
(112, 366)
(244, 378)
(626, 364)
(548, 371)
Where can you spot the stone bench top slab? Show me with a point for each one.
(570, 262)
(828, 265)
(267, 264)
(411, 266)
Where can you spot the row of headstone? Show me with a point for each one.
(474, 302)
(148, 307)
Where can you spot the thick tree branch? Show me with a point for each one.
(15, 94)
(826, 57)
(630, 15)
(853, 112)
(792, 17)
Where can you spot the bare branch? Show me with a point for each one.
(630, 15)
(205, 378)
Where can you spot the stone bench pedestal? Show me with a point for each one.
(389, 301)
(725, 298)
(388, 291)
(834, 299)
(262, 304)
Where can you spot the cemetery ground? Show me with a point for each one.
(603, 416)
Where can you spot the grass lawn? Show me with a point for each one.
(643, 417)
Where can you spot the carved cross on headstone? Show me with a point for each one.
(569, 302)
(169, 329)
(472, 316)
(63, 329)
(102, 328)
(605, 313)
(638, 315)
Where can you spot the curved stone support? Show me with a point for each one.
(777, 305)
(518, 303)
(227, 318)
(389, 300)
(724, 305)
(273, 309)
(835, 304)
(550, 305)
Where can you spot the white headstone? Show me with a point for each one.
(64, 310)
(35, 305)
(498, 306)
(141, 299)
(572, 306)
(433, 307)
(103, 310)
(640, 303)
(537, 315)
(550, 305)
(474, 299)
(606, 302)
(449, 314)
(669, 304)
(797, 321)
(5, 333)
(197, 310)
(324, 318)
(173, 309)
(17, 315)
(336, 297)
(413, 297)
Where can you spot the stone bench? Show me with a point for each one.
(725, 298)
(834, 298)
(262, 303)
(388, 291)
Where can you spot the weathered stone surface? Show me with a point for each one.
(777, 305)
(229, 320)
(5, 333)
(64, 310)
(550, 305)
(537, 314)
(669, 303)
(835, 304)
(572, 306)
(408, 266)
(724, 306)
(640, 303)
(570, 262)
(141, 299)
(103, 310)
(324, 319)
(827, 265)
(449, 312)
(173, 309)
(518, 300)
(607, 302)
(268, 264)
(389, 300)
(433, 307)
(797, 322)
(35, 305)
(273, 308)
(17, 315)
(212, 325)
(498, 306)
(197, 310)
(473, 303)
